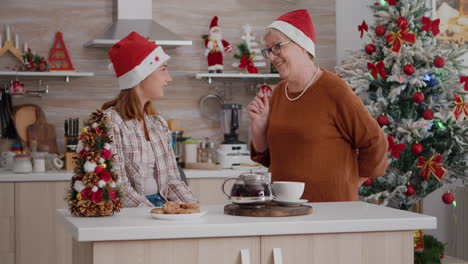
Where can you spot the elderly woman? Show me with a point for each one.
(313, 129)
(145, 161)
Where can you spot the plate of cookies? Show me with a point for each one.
(177, 211)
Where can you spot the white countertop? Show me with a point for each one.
(62, 175)
(340, 217)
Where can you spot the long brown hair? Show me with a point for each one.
(128, 105)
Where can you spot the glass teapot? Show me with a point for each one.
(251, 188)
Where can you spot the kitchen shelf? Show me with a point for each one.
(200, 75)
(107, 43)
(67, 75)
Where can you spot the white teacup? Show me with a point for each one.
(288, 191)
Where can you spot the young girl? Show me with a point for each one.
(145, 161)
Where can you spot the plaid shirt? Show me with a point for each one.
(129, 149)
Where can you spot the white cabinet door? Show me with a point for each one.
(242, 250)
(39, 239)
(341, 248)
(7, 223)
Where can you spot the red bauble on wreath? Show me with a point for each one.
(417, 149)
(382, 120)
(408, 69)
(448, 198)
(368, 182)
(439, 62)
(428, 114)
(418, 97)
(380, 30)
(410, 190)
(369, 49)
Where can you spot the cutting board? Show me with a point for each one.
(23, 116)
(43, 134)
(272, 210)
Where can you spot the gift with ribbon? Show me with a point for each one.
(396, 39)
(461, 107)
(432, 25)
(394, 148)
(432, 166)
(377, 69)
(363, 27)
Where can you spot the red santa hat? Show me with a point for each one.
(134, 58)
(298, 26)
(214, 24)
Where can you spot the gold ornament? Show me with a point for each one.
(93, 156)
(85, 130)
(78, 196)
(103, 165)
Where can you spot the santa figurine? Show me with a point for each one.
(215, 46)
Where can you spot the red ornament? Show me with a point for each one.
(439, 62)
(86, 193)
(418, 97)
(380, 30)
(428, 114)
(97, 196)
(382, 120)
(410, 190)
(417, 149)
(401, 20)
(448, 198)
(369, 49)
(408, 69)
(368, 182)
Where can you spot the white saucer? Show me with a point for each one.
(291, 203)
(178, 216)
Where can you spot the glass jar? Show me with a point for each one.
(22, 164)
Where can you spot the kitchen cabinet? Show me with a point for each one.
(174, 251)
(39, 239)
(7, 223)
(336, 232)
(362, 248)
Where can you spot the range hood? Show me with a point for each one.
(137, 15)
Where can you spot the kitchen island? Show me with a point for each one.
(343, 232)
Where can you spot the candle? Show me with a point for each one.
(8, 33)
(16, 41)
(25, 47)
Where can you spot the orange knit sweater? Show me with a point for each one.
(326, 138)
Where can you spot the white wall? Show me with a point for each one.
(350, 14)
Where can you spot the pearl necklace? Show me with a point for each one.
(303, 91)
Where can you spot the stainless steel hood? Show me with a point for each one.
(137, 15)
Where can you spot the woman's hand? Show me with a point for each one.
(258, 111)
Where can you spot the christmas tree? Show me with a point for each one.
(94, 190)
(414, 89)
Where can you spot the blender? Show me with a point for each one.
(232, 152)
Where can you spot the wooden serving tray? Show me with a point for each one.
(271, 210)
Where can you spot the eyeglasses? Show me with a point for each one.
(275, 49)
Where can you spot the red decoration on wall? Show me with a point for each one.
(59, 59)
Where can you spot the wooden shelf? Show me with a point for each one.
(67, 75)
(200, 75)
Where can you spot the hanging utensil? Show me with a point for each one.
(210, 106)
